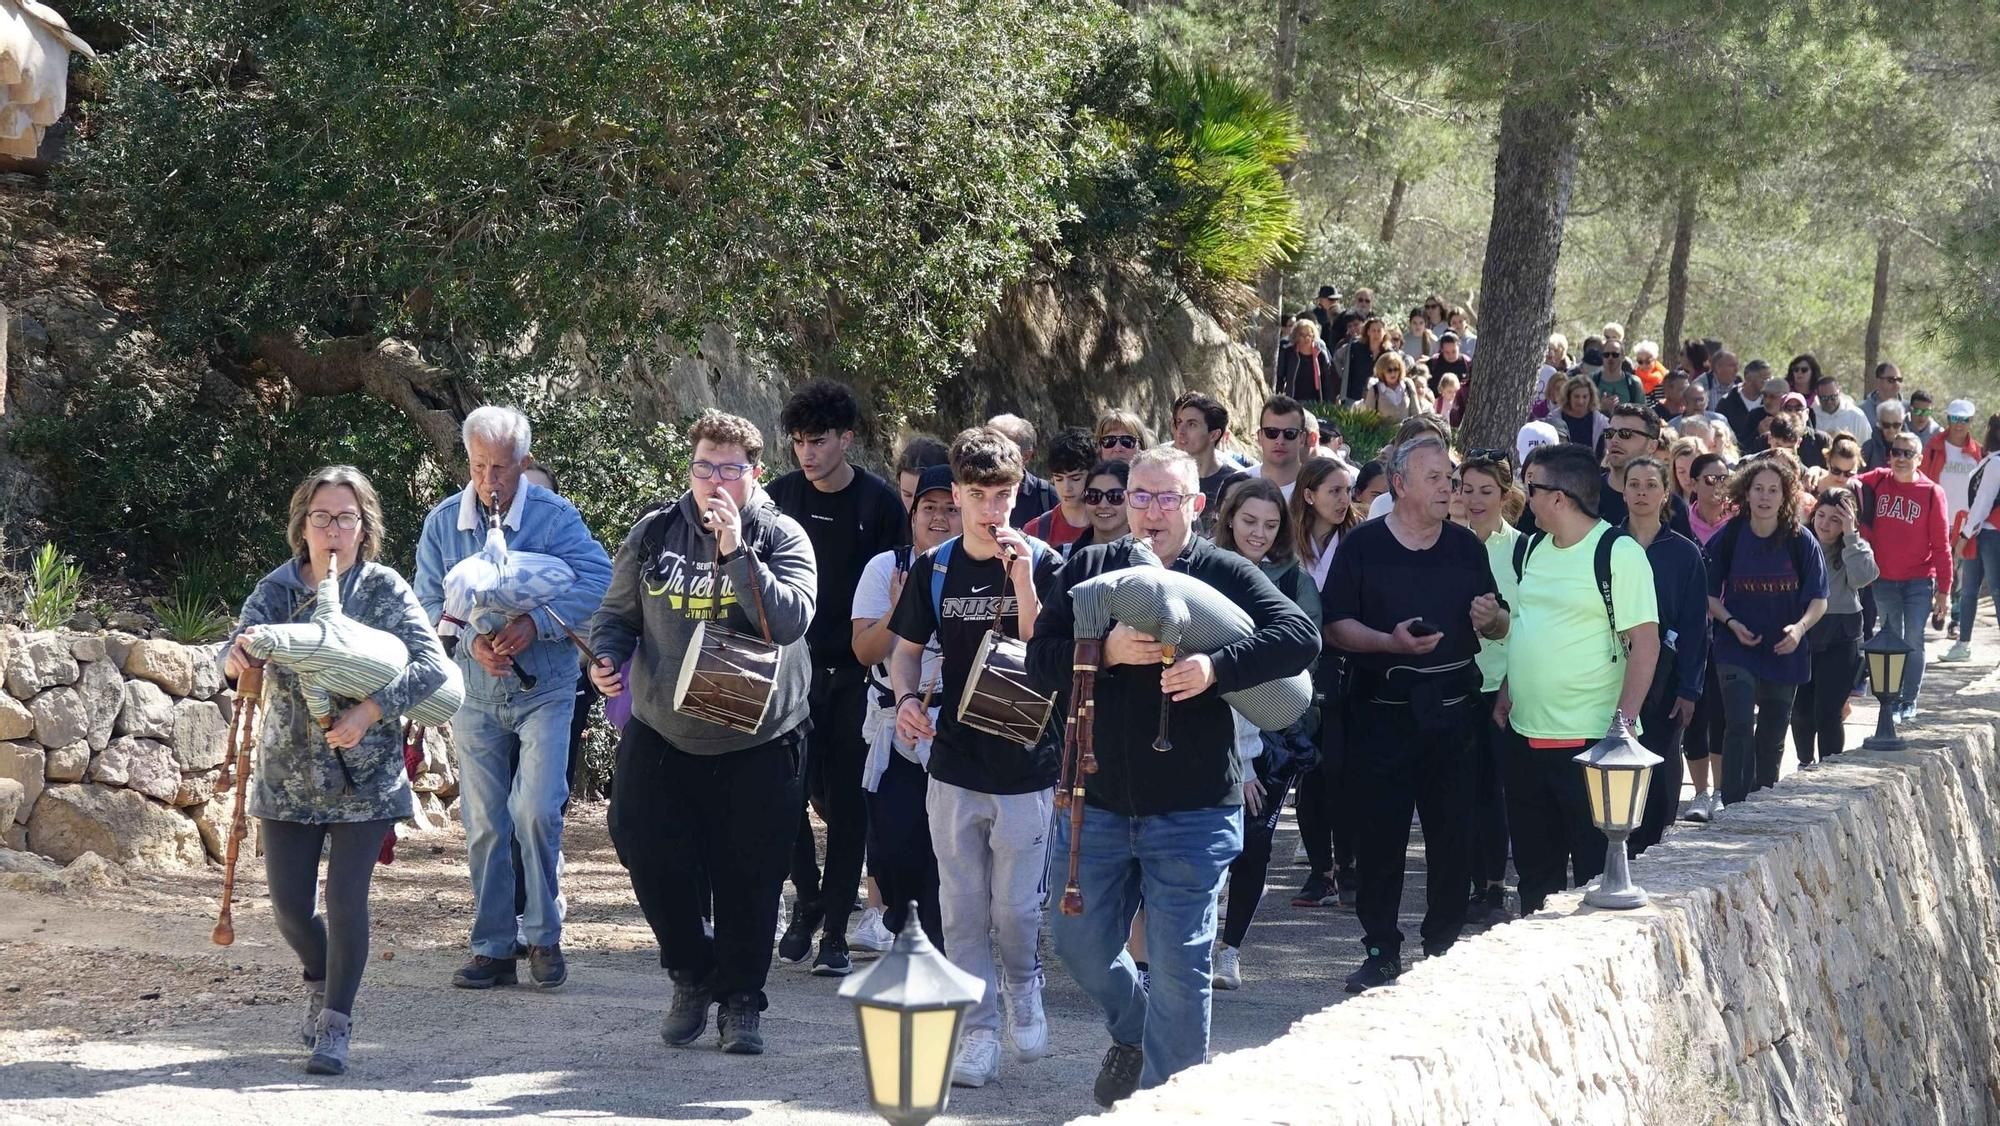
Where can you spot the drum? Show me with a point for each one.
(997, 699)
(726, 678)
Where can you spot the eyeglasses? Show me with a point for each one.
(1890, 378)
(1104, 496)
(1801, 369)
(348, 521)
(1837, 471)
(1288, 433)
(1628, 433)
(728, 470)
(1167, 502)
(1537, 487)
(1713, 479)
(1614, 355)
(1113, 441)
(1885, 424)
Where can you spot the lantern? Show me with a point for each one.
(1888, 661)
(1617, 771)
(910, 1007)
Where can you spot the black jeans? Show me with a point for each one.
(1836, 659)
(1548, 816)
(1394, 766)
(687, 826)
(1488, 839)
(1248, 871)
(899, 848)
(1754, 747)
(1661, 734)
(835, 755)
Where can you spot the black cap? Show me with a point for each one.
(936, 477)
(1329, 291)
(1328, 431)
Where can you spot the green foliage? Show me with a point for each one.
(55, 582)
(191, 615)
(1366, 432)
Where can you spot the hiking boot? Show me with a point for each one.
(485, 973)
(687, 1017)
(1317, 892)
(547, 967)
(315, 1001)
(329, 1047)
(872, 933)
(1438, 949)
(978, 1060)
(1227, 972)
(738, 1022)
(1377, 969)
(1349, 887)
(798, 940)
(1486, 907)
(833, 960)
(1958, 652)
(1026, 1023)
(1118, 1075)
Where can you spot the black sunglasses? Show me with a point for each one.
(1112, 441)
(1713, 478)
(1899, 452)
(1289, 433)
(1614, 355)
(1489, 455)
(1104, 496)
(1628, 433)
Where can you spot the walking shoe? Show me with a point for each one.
(1714, 805)
(687, 1016)
(1349, 887)
(1698, 810)
(1959, 651)
(1118, 1075)
(1376, 970)
(315, 1001)
(329, 1047)
(833, 960)
(798, 940)
(872, 933)
(978, 1059)
(1488, 906)
(1228, 970)
(547, 967)
(1317, 892)
(1027, 1026)
(738, 1022)
(1438, 949)
(485, 973)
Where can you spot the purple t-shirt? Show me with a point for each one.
(1761, 589)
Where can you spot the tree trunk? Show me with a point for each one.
(1643, 303)
(1394, 212)
(1533, 175)
(1878, 307)
(1677, 276)
(436, 400)
(1271, 287)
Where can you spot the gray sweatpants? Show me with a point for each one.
(992, 854)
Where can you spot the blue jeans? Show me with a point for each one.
(1984, 565)
(501, 804)
(1904, 606)
(1176, 862)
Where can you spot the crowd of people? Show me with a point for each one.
(1694, 551)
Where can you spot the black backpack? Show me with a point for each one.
(1724, 546)
(1600, 563)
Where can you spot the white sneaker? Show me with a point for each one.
(871, 933)
(1026, 1023)
(1960, 651)
(1227, 973)
(978, 1060)
(1698, 809)
(1714, 805)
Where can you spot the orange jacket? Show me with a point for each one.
(1650, 375)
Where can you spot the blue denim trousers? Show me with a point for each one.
(1905, 606)
(1983, 569)
(1175, 861)
(501, 804)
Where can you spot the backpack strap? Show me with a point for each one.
(1524, 547)
(1602, 565)
(940, 563)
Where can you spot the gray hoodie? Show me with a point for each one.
(662, 587)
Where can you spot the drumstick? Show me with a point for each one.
(582, 646)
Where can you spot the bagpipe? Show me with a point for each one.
(1184, 615)
(486, 590)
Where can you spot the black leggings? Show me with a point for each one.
(332, 948)
(1703, 736)
(1248, 870)
(1816, 729)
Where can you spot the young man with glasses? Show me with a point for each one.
(704, 813)
(1922, 420)
(1283, 440)
(1165, 821)
(1833, 411)
(1888, 387)
(1611, 377)
(1200, 424)
(850, 515)
(1909, 531)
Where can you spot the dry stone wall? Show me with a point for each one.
(1828, 951)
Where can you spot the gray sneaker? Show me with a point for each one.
(329, 1049)
(687, 1017)
(315, 1001)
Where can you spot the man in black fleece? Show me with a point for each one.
(1170, 821)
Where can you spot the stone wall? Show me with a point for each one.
(114, 744)
(1828, 951)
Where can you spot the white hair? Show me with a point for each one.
(495, 425)
(1891, 407)
(1646, 348)
(1173, 460)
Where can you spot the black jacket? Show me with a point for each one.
(1202, 770)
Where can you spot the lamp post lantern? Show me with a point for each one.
(1888, 660)
(1617, 771)
(910, 1007)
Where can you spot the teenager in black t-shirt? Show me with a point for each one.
(851, 516)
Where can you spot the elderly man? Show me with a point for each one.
(1890, 418)
(520, 690)
(1168, 822)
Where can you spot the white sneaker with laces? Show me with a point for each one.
(978, 1060)
(1027, 1025)
(1960, 651)
(871, 933)
(1227, 973)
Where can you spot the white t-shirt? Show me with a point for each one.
(871, 601)
(1381, 505)
(1955, 478)
(1286, 488)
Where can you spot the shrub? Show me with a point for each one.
(190, 616)
(1366, 431)
(55, 582)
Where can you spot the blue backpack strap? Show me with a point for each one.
(940, 563)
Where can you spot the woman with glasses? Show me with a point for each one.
(1708, 510)
(1104, 504)
(1835, 641)
(1392, 393)
(337, 792)
(1801, 374)
(1120, 435)
(1680, 588)
(1977, 543)
(1323, 511)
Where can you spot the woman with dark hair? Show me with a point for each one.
(1371, 482)
(1361, 356)
(1680, 587)
(1801, 374)
(1104, 502)
(1324, 510)
(1835, 640)
(1767, 587)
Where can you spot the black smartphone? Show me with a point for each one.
(1422, 628)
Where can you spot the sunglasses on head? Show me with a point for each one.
(1113, 441)
(1288, 433)
(1489, 455)
(1104, 496)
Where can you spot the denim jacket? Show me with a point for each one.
(539, 521)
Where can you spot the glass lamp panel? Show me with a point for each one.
(1643, 783)
(1617, 806)
(1878, 673)
(882, 1049)
(1893, 682)
(931, 1037)
(1594, 784)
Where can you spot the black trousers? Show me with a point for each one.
(690, 826)
(1836, 660)
(1759, 713)
(1660, 734)
(1488, 839)
(1548, 816)
(1394, 765)
(835, 754)
(1248, 871)
(899, 848)
(1703, 736)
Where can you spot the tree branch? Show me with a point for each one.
(391, 370)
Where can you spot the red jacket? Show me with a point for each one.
(1906, 527)
(1933, 463)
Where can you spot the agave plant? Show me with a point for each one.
(189, 614)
